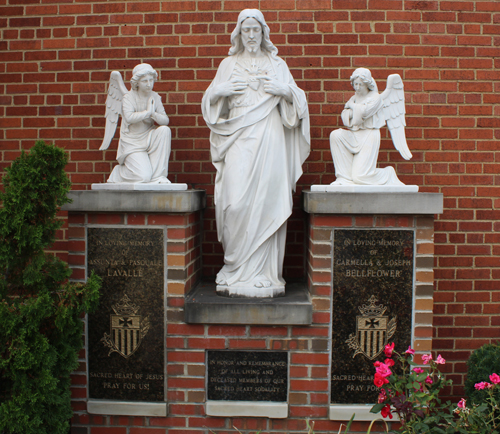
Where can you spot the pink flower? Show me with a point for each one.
(440, 360)
(481, 385)
(389, 348)
(428, 380)
(382, 369)
(386, 411)
(410, 351)
(495, 378)
(390, 362)
(418, 370)
(382, 396)
(426, 358)
(380, 380)
(461, 403)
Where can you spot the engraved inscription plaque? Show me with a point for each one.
(372, 305)
(247, 376)
(126, 352)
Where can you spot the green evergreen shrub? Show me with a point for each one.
(40, 311)
(481, 364)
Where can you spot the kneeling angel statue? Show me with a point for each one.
(144, 148)
(355, 150)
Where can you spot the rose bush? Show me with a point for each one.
(480, 418)
(413, 394)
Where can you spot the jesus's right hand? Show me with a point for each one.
(235, 86)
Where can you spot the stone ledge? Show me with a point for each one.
(126, 408)
(272, 410)
(344, 412)
(138, 186)
(136, 201)
(204, 306)
(372, 203)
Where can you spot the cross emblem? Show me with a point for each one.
(125, 322)
(372, 323)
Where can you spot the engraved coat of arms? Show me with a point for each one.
(373, 330)
(127, 328)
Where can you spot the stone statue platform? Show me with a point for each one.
(127, 186)
(251, 292)
(204, 306)
(365, 188)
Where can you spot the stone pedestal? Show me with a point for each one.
(372, 255)
(146, 248)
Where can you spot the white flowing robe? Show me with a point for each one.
(142, 157)
(355, 151)
(258, 143)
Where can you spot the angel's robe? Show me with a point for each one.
(143, 149)
(258, 144)
(355, 150)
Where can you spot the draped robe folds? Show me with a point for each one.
(355, 151)
(142, 156)
(258, 143)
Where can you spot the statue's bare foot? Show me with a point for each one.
(342, 181)
(221, 279)
(262, 283)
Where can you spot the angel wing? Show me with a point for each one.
(393, 99)
(116, 90)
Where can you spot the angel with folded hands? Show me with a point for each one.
(144, 148)
(355, 150)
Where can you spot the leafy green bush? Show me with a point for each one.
(40, 311)
(480, 365)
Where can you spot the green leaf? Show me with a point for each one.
(421, 377)
(350, 422)
(377, 408)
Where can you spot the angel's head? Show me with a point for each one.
(143, 76)
(363, 75)
(240, 42)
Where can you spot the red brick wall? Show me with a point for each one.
(57, 56)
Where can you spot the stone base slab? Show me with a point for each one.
(126, 408)
(252, 292)
(366, 188)
(136, 201)
(138, 186)
(272, 410)
(344, 412)
(204, 306)
(372, 203)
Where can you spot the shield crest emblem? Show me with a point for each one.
(127, 328)
(373, 330)
(126, 333)
(372, 334)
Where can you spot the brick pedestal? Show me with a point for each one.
(330, 212)
(306, 342)
(174, 217)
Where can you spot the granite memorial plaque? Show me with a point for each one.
(247, 375)
(372, 305)
(126, 335)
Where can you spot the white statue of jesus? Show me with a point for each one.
(259, 122)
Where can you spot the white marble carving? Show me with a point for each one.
(259, 122)
(144, 147)
(355, 149)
